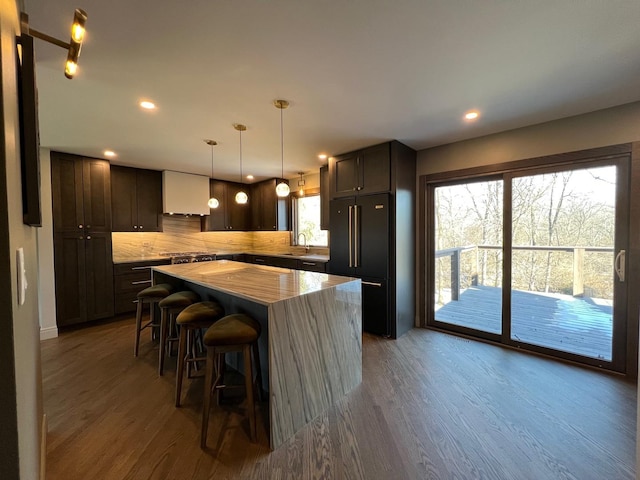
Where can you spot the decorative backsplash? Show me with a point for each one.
(182, 234)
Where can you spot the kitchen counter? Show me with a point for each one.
(153, 257)
(311, 342)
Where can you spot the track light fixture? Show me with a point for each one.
(74, 45)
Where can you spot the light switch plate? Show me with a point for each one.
(22, 276)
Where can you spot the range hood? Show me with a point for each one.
(184, 193)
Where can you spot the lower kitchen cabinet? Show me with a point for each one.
(128, 280)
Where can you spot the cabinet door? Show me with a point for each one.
(149, 200)
(237, 215)
(270, 201)
(324, 198)
(66, 193)
(342, 237)
(375, 169)
(96, 194)
(98, 278)
(69, 265)
(216, 221)
(256, 206)
(371, 236)
(344, 175)
(123, 199)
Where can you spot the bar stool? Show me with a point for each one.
(150, 295)
(190, 321)
(233, 333)
(169, 307)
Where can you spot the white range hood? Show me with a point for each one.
(184, 193)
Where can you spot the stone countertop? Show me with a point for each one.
(260, 284)
(312, 256)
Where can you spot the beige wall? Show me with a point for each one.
(597, 129)
(46, 272)
(24, 365)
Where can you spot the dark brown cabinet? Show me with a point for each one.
(81, 198)
(372, 218)
(136, 200)
(268, 211)
(229, 215)
(360, 173)
(324, 198)
(128, 280)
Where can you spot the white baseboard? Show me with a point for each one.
(48, 332)
(43, 448)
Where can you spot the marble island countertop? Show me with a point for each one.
(257, 283)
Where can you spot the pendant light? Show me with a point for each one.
(241, 196)
(282, 189)
(213, 201)
(301, 184)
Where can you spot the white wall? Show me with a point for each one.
(46, 273)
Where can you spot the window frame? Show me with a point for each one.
(295, 196)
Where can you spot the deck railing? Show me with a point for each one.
(578, 262)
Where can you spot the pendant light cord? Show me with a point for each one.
(281, 146)
(240, 155)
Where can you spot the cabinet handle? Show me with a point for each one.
(79, 226)
(135, 226)
(373, 284)
(140, 282)
(311, 264)
(81, 237)
(88, 226)
(141, 268)
(141, 227)
(88, 237)
(259, 260)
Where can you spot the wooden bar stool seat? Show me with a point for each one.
(190, 321)
(151, 296)
(233, 333)
(170, 307)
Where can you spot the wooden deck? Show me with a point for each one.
(583, 326)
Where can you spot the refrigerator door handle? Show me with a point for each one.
(350, 236)
(356, 237)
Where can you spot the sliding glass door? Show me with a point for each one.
(534, 259)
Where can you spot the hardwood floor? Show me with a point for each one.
(431, 406)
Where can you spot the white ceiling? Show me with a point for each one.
(357, 72)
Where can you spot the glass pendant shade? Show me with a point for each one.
(213, 202)
(282, 189)
(241, 197)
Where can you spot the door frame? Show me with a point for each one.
(426, 235)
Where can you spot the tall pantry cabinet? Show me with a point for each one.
(81, 198)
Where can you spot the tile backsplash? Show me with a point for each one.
(182, 234)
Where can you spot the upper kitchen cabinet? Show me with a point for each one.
(229, 215)
(81, 200)
(362, 172)
(324, 198)
(268, 211)
(136, 200)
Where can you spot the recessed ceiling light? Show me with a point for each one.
(471, 115)
(249, 177)
(322, 156)
(109, 153)
(147, 105)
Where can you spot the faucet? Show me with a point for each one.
(306, 247)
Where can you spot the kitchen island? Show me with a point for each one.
(311, 342)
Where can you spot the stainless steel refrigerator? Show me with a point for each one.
(360, 247)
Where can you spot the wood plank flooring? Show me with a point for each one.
(431, 406)
(562, 322)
